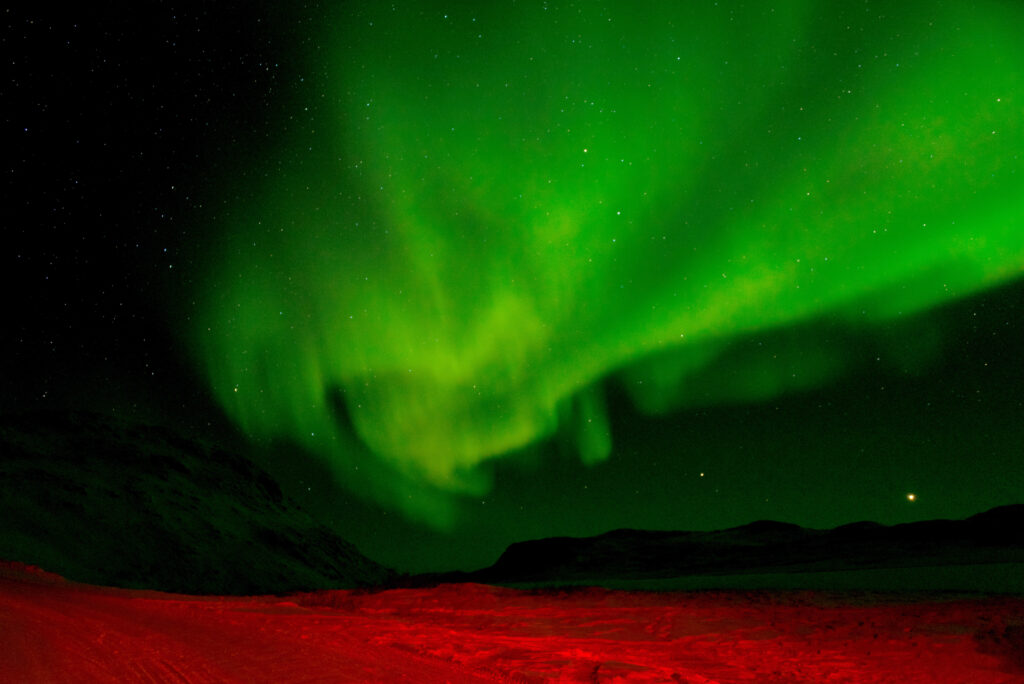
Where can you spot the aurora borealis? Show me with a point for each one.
(457, 275)
(480, 219)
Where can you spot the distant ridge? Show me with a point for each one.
(763, 546)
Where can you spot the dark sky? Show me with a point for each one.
(116, 121)
(147, 146)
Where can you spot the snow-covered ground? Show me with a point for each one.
(53, 630)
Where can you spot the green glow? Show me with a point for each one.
(480, 215)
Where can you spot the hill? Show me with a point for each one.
(118, 503)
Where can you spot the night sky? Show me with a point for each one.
(462, 274)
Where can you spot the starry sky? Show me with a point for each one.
(460, 275)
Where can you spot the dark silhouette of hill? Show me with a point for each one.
(995, 536)
(117, 503)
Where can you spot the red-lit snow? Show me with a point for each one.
(57, 631)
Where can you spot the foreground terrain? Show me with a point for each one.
(54, 630)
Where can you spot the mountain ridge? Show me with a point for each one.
(762, 546)
(117, 502)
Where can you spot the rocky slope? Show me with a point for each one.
(112, 502)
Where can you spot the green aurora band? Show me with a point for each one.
(480, 216)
